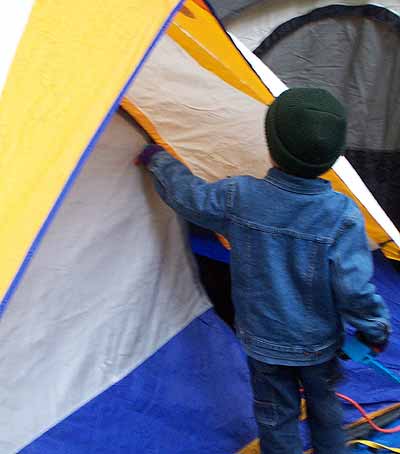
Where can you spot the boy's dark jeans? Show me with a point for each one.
(277, 407)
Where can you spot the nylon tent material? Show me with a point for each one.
(86, 311)
(46, 129)
(108, 62)
(239, 141)
(192, 396)
(363, 41)
(22, 204)
(226, 8)
(375, 392)
(112, 282)
(350, 49)
(96, 276)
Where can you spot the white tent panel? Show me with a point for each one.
(342, 167)
(221, 134)
(350, 177)
(110, 284)
(218, 131)
(275, 85)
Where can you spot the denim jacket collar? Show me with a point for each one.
(296, 184)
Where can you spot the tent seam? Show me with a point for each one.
(123, 375)
(82, 160)
(368, 11)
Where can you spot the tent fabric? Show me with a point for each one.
(203, 386)
(191, 396)
(97, 67)
(374, 13)
(372, 390)
(225, 8)
(238, 145)
(111, 283)
(343, 177)
(378, 225)
(281, 30)
(360, 382)
(40, 205)
(199, 32)
(392, 440)
(257, 22)
(364, 43)
(47, 132)
(211, 148)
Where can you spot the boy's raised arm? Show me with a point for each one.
(202, 203)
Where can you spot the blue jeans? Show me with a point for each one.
(277, 407)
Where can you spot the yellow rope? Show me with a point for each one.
(372, 444)
(254, 448)
(251, 448)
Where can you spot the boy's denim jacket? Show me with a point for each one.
(300, 262)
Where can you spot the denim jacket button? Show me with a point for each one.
(306, 353)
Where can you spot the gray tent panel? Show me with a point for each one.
(224, 8)
(355, 53)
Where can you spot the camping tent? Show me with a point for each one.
(351, 49)
(106, 336)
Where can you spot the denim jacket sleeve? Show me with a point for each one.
(352, 270)
(202, 203)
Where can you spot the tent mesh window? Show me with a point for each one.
(355, 53)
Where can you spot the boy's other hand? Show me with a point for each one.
(376, 347)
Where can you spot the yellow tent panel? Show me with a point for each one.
(71, 64)
(68, 73)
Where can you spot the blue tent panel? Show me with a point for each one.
(192, 396)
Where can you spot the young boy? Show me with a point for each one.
(300, 266)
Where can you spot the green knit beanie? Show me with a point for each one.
(306, 131)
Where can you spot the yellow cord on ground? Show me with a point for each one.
(372, 444)
(254, 448)
(251, 448)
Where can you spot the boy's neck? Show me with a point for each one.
(275, 166)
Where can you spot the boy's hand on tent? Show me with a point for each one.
(147, 154)
(376, 347)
